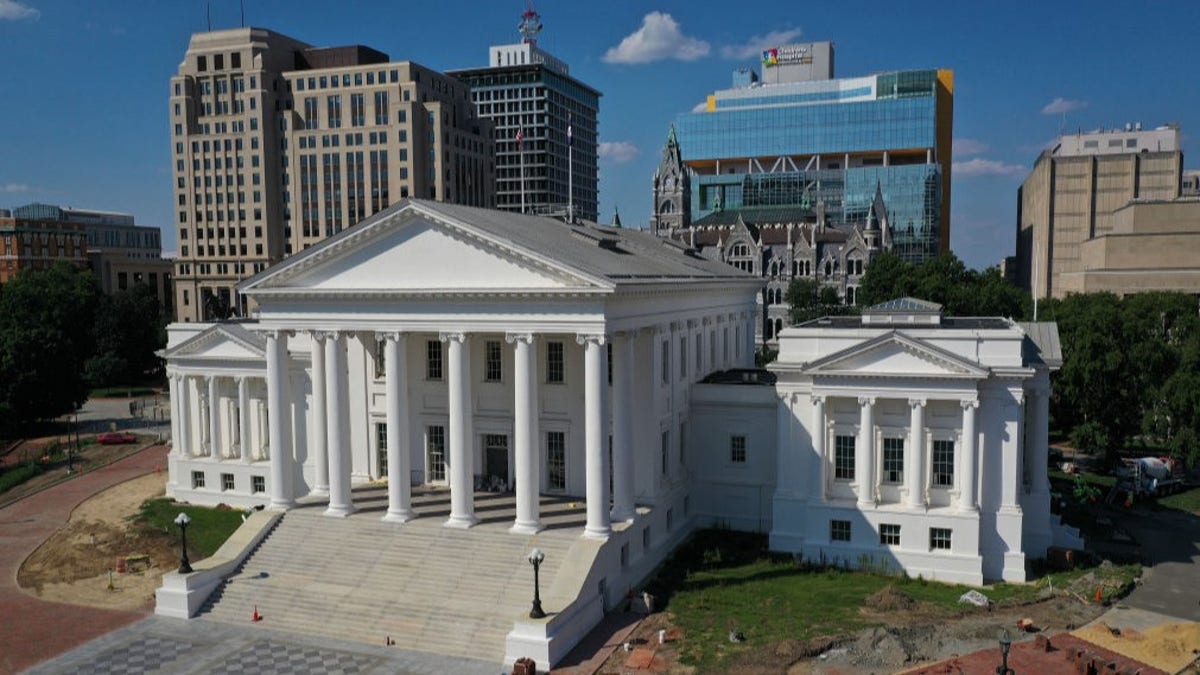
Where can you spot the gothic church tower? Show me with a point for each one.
(672, 191)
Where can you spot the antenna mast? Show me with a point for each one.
(531, 25)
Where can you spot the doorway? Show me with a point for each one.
(495, 461)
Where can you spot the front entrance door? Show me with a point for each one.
(495, 461)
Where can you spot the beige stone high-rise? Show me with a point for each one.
(1105, 211)
(278, 145)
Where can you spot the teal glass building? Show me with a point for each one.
(784, 148)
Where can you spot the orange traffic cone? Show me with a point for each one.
(257, 617)
(1099, 594)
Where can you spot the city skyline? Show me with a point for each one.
(102, 142)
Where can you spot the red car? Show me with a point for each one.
(116, 438)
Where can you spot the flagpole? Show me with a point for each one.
(570, 173)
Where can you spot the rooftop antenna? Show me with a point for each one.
(242, 5)
(208, 14)
(531, 25)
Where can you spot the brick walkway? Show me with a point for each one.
(33, 630)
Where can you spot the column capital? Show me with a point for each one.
(277, 333)
(692, 323)
(917, 402)
(513, 338)
(706, 320)
(322, 335)
(628, 334)
(453, 336)
(818, 399)
(969, 403)
(391, 335)
(584, 338)
(866, 400)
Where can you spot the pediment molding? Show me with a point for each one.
(864, 359)
(202, 345)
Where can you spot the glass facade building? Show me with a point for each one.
(831, 142)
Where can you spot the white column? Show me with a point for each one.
(244, 418)
(787, 473)
(186, 445)
(914, 477)
(279, 432)
(398, 454)
(462, 474)
(966, 468)
(263, 432)
(595, 449)
(214, 420)
(865, 452)
(525, 435)
(748, 336)
(337, 417)
(819, 436)
(624, 508)
(1013, 448)
(173, 392)
(319, 438)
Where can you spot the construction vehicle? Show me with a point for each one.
(1150, 476)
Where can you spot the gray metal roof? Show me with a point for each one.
(619, 255)
(947, 323)
(908, 305)
(1041, 343)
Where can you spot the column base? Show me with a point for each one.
(527, 528)
(398, 516)
(597, 532)
(320, 491)
(281, 505)
(968, 509)
(623, 516)
(339, 511)
(461, 522)
(866, 505)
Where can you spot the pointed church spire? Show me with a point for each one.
(616, 216)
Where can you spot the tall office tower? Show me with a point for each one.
(1109, 210)
(798, 142)
(545, 122)
(278, 144)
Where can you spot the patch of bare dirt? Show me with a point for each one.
(73, 565)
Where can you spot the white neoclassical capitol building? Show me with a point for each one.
(476, 352)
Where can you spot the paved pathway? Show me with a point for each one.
(33, 630)
(164, 645)
(1171, 551)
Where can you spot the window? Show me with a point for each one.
(737, 449)
(226, 481)
(197, 480)
(943, 463)
(433, 360)
(843, 457)
(839, 530)
(492, 370)
(646, 538)
(556, 460)
(889, 535)
(893, 460)
(670, 519)
(381, 106)
(258, 484)
(683, 357)
(666, 362)
(939, 538)
(381, 447)
(435, 451)
(554, 363)
(666, 451)
(380, 359)
(699, 353)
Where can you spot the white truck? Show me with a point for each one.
(1150, 476)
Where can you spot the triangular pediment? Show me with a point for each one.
(220, 342)
(412, 250)
(896, 355)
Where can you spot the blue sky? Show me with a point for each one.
(84, 83)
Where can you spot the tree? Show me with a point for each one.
(129, 328)
(809, 299)
(45, 339)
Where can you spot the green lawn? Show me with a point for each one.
(722, 580)
(208, 530)
(1188, 501)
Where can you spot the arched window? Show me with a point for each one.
(778, 296)
(795, 268)
(666, 207)
(828, 268)
(850, 295)
(770, 330)
(778, 326)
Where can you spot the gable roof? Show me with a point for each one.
(230, 340)
(592, 256)
(1041, 344)
(892, 354)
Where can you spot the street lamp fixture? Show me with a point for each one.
(535, 558)
(182, 521)
(1005, 645)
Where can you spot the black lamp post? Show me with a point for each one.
(1005, 645)
(182, 521)
(535, 558)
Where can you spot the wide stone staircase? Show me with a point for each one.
(427, 587)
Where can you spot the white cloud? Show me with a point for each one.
(1062, 105)
(13, 188)
(986, 167)
(617, 152)
(965, 147)
(754, 47)
(11, 10)
(658, 39)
